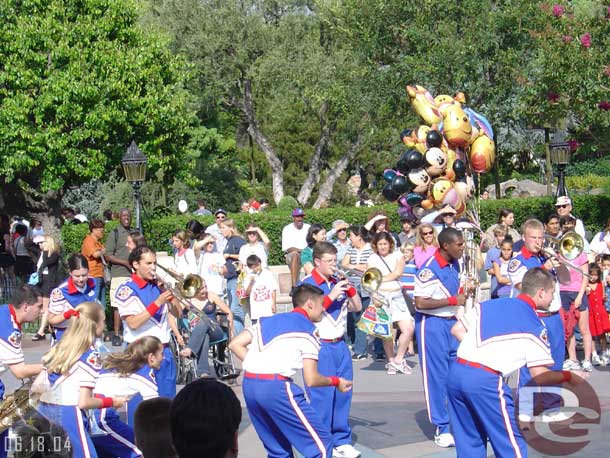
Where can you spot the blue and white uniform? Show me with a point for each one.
(60, 403)
(67, 297)
(10, 351)
(517, 268)
(132, 298)
(437, 279)
(118, 441)
(480, 402)
(334, 360)
(277, 406)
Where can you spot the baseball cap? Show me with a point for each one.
(447, 209)
(563, 200)
(298, 212)
(340, 224)
(219, 211)
(38, 239)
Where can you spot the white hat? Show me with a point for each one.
(38, 239)
(340, 224)
(563, 200)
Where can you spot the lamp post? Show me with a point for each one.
(560, 157)
(134, 166)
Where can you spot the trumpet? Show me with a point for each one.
(185, 289)
(569, 246)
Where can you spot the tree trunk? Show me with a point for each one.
(277, 168)
(327, 187)
(315, 165)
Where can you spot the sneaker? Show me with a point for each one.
(357, 357)
(380, 357)
(345, 451)
(116, 341)
(586, 366)
(569, 365)
(401, 367)
(604, 360)
(596, 360)
(391, 368)
(38, 337)
(444, 440)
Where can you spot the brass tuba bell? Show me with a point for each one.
(371, 281)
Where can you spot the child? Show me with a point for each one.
(598, 317)
(71, 369)
(262, 289)
(500, 283)
(605, 268)
(407, 283)
(493, 254)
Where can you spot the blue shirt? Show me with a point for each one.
(438, 279)
(10, 339)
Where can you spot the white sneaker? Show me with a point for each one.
(444, 440)
(596, 360)
(586, 365)
(604, 360)
(569, 365)
(345, 451)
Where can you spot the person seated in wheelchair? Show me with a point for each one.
(205, 328)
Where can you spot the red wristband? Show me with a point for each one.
(452, 300)
(334, 381)
(351, 292)
(152, 309)
(327, 302)
(567, 376)
(107, 403)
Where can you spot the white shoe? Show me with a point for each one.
(596, 360)
(444, 440)
(345, 451)
(604, 360)
(586, 366)
(569, 365)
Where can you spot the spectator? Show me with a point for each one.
(378, 221)
(600, 243)
(441, 219)
(80, 216)
(67, 215)
(493, 253)
(500, 283)
(24, 265)
(211, 264)
(7, 252)
(257, 243)
(201, 209)
(408, 229)
(151, 428)
(244, 207)
(507, 218)
(107, 215)
(599, 324)
(294, 240)
(316, 233)
(184, 257)
(93, 250)
(264, 204)
(426, 243)
(485, 195)
(262, 289)
(117, 254)
(214, 230)
(338, 237)
(37, 229)
(407, 279)
(194, 231)
(551, 227)
(48, 272)
(134, 240)
(564, 208)
(205, 418)
(253, 205)
(230, 271)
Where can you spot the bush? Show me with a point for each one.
(593, 210)
(287, 203)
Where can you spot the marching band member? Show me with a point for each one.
(334, 359)
(495, 343)
(126, 373)
(145, 311)
(273, 350)
(25, 307)
(437, 295)
(78, 288)
(72, 367)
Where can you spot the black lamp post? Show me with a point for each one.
(134, 166)
(560, 157)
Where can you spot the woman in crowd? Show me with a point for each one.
(93, 249)
(134, 240)
(205, 328)
(71, 369)
(600, 243)
(426, 243)
(184, 257)
(48, 274)
(391, 264)
(211, 265)
(7, 252)
(257, 243)
(24, 266)
(127, 373)
(506, 218)
(316, 233)
(78, 288)
(378, 221)
(230, 271)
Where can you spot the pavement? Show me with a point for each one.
(388, 414)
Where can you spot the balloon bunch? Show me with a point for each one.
(441, 156)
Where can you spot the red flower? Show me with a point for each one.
(558, 10)
(552, 97)
(573, 145)
(567, 38)
(585, 40)
(607, 70)
(608, 12)
(604, 105)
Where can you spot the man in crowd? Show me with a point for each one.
(407, 234)
(117, 254)
(338, 237)
(220, 242)
(201, 210)
(552, 228)
(564, 208)
(294, 239)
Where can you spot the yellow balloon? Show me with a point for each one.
(423, 104)
(482, 154)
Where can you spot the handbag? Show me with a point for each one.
(107, 274)
(375, 322)
(34, 279)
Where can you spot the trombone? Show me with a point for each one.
(371, 281)
(186, 288)
(569, 246)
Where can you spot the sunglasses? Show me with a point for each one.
(342, 230)
(427, 233)
(220, 217)
(561, 206)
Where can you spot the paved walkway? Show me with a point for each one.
(389, 416)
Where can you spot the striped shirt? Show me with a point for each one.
(407, 279)
(357, 256)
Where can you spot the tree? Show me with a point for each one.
(78, 81)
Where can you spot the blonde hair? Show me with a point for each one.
(419, 240)
(407, 246)
(51, 244)
(134, 357)
(183, 237)
(78, 338)
(230, 223)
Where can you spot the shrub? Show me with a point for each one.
(287, 203)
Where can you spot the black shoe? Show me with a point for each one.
(356, 357)
(116, 341)
(379, 357)
(38, 337)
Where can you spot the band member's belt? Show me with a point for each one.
(338, 339)
(477, 365)
(545, 314)
(266, 376)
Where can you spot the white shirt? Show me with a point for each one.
(391, 259)
(185, 263)
(293, 237)
(598, 243)
(261, 294)
(111, 384)
(247, 250)
(221, 241)
(209, 264)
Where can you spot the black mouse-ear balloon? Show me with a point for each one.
(388, 193)
(459, 168)
(400, 185)
(434, 139)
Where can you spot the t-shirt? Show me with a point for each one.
(576, 278)
(185, 262)
(89, 247)
(386, 266)
(307, 255)
(209, 266)
(293, 237)
(247, 250)
(115, 246)
(233, 246)
(356, 256)
(261, 294)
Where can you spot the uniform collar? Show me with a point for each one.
(526, 253)
(528, 300)
(14, 315)
(181, 251)
(300, 311)
(72, 289)
(442, 262)
(139, 281)
(319, 279)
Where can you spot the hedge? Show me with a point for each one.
(593, 210)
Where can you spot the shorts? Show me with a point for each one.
(398, 307)
(114, 285)
(288, 256)
(567, 299)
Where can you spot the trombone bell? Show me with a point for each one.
(571, 245)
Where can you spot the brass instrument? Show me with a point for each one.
(186, 288)
(371, 281)
(470, 273)
(16, 405)
(569, 246)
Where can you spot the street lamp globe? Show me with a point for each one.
(560, 157)
(134, 166)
